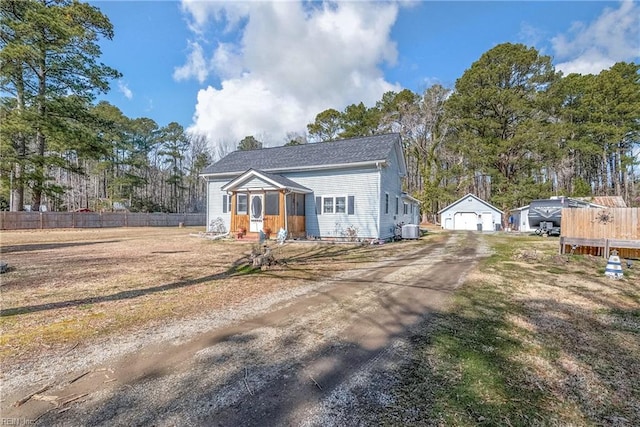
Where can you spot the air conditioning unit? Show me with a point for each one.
(411, 231)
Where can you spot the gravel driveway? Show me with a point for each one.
(325, 356)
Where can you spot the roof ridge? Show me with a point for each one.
(363, 149)
(321, 142)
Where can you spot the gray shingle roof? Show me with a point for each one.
(355, 150)
(278, 179)
(283, 181)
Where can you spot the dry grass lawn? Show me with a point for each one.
(72, 286)
(534, 338)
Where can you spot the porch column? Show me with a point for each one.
(233, 226)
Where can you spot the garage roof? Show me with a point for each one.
(462, 199)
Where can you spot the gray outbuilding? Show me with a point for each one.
(471, 213)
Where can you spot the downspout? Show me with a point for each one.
(207, 221)
(378, 219)
(230, 202)
(286, 214)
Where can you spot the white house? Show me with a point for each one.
(470, 213)
(350, 187)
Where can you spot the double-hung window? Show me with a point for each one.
(335, 205)
(327, 205)
(226, 203)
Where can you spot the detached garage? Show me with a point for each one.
(470, 213)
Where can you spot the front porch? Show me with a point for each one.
(249, 224)
(265, 203)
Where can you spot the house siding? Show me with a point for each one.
(362, 179)
(362, 184)
(412, 215)
(214, 203)
(391, 184)
(257, 184)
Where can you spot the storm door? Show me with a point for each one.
(257, 213)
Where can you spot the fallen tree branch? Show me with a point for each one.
(315, 382)
(41, 397)
(73, 398)
(79, 376)
(42, 415)
(71, 349)
(246, 383)
(29, 396)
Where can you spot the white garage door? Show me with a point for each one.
(465, 221)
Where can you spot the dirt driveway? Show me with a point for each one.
(322, 358)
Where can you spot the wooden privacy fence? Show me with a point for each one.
(46, 220)
(598, 231)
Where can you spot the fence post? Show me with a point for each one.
(561, 245)
(606, 249)
(41, 222)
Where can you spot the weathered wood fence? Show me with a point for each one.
(598, 231)
(46, 220)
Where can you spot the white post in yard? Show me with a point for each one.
(614, 268)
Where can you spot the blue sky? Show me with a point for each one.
(232, 69)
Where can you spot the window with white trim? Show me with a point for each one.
(226, 203)
(327, 205)
(336, 205)
(405, 208)
(386, 203)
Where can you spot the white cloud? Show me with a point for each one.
(591, 48)
(227, 61)
(196, 65)
(201, 12)
(122, 87)
(291, 61)
(242, 107)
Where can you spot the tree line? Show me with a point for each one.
(58, 145)
(512, 129)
